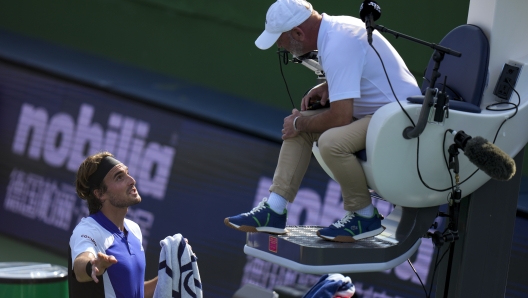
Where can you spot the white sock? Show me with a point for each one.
(277, 203)
(367, 211)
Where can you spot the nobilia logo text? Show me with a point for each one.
(60, 141)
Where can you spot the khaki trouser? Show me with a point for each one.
(337, 147)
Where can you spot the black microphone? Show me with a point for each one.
(486, 156)
(369, 11)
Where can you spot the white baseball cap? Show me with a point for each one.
(283, 16)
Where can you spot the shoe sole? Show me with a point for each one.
(248, 229)
(349, 239)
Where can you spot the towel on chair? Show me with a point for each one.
(332, 285)
(178, 274)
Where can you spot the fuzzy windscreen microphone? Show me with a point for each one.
(489, 158)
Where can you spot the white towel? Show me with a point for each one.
(178, 274)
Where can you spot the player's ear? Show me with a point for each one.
(97, 193)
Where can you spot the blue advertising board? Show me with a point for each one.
(190, 173)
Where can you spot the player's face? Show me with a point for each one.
(121, 188)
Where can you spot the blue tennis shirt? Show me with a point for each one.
(126, 278)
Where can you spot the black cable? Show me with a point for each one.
(434, 272)
(437, 262)
(418, 166)
(458, 96)
(417, 275)
(515, 106)
(390, 84)
(285, 61)
(420, 175)
(412, 122)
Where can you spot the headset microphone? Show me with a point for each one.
(369, 11)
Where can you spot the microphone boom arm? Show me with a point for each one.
(425, 43)
(410, 131)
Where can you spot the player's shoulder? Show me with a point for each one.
(89, 228)
(86, 223)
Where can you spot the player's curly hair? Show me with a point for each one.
(83, 188)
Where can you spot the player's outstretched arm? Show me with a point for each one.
(98, 266)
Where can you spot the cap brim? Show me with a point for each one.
(266, 40)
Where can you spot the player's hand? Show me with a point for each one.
(318, 93)
(190, 247)
(100, 264)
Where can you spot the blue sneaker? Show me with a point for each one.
(353, 227)
(261, 219)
